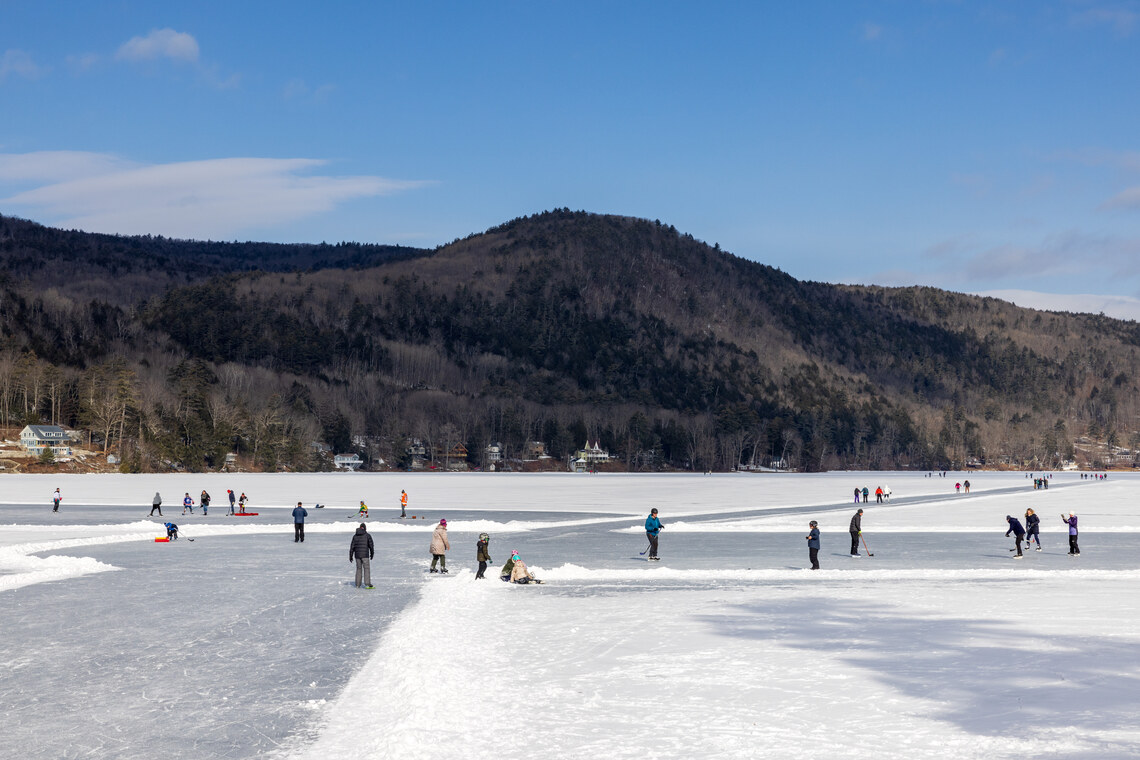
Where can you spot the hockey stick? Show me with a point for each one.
(646, 549)
(865, 546)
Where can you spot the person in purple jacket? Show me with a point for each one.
(1071, 521)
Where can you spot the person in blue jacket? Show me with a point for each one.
(1017, 531)
(653, 526)
(172, 531)
(813, 544)
(299, 515)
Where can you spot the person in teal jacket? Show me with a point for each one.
(653, 526)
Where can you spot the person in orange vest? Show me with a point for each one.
(403, 503)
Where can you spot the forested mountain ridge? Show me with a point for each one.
(565, 326)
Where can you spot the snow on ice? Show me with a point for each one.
(246, 644)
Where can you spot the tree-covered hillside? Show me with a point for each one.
(562, 327)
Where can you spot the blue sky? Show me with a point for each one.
(976, 147)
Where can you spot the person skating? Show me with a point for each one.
(482, 554)
(187, 503)
(653, 527)
(1071, 521)
(363, 511)
(299, 515)
(866, 493)
(878, 494)
(857, 492)
(813, 544)
(233, 499)
(361, 550)
(887, 492)
(205, 502)
(403, 503)
(855, 529)
(439, 547)
(156, 504)
(171, 531)
(966, 485)
(1032, 528)
(1017, 531)
(56, 498)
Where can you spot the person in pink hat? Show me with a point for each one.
(439, 546)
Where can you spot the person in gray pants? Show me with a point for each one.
(362, 550)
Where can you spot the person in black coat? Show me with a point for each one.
(362, 550)
(856, 528)
(1017, 531)
(1032, 528)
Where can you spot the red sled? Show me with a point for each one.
(245, 514)
(162, 540)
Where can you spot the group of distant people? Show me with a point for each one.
(204, 501)
(882, 493)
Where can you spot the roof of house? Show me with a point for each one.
(46, 431)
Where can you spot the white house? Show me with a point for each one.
(347, 461)
(495, 452)
(36, 438)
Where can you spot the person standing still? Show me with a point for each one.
(439, 547)
(403, 503)
(482, 554)
(299, 515)
(55, 500)
(856, 528)
(362, 550)
(653, 526)
(813, 544)
(233, 499)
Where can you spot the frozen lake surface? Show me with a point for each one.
(243, 643)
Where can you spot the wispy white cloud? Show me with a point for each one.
(1118, 307)
(872, 31)
(160, 43)
(215, 198)
(1121, 18)
(83, 61)
(19, 63)
(299, 89)
(1128, 198)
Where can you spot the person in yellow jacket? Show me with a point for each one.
(363, 511)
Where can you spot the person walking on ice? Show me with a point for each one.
(653, 526)
(299, 515)
(156, 503)
(361, 550)
(1017, 531)
(205, 502)
(403, 504)
(439, 547)
(1032, 528)
(56, 498)
(813, 544)
(1071, 521)
(856, 528)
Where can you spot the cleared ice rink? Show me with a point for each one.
(244, 644)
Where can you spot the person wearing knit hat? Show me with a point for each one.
(439, 546)
(813, 544)
(1071, 521)
(653, 526)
